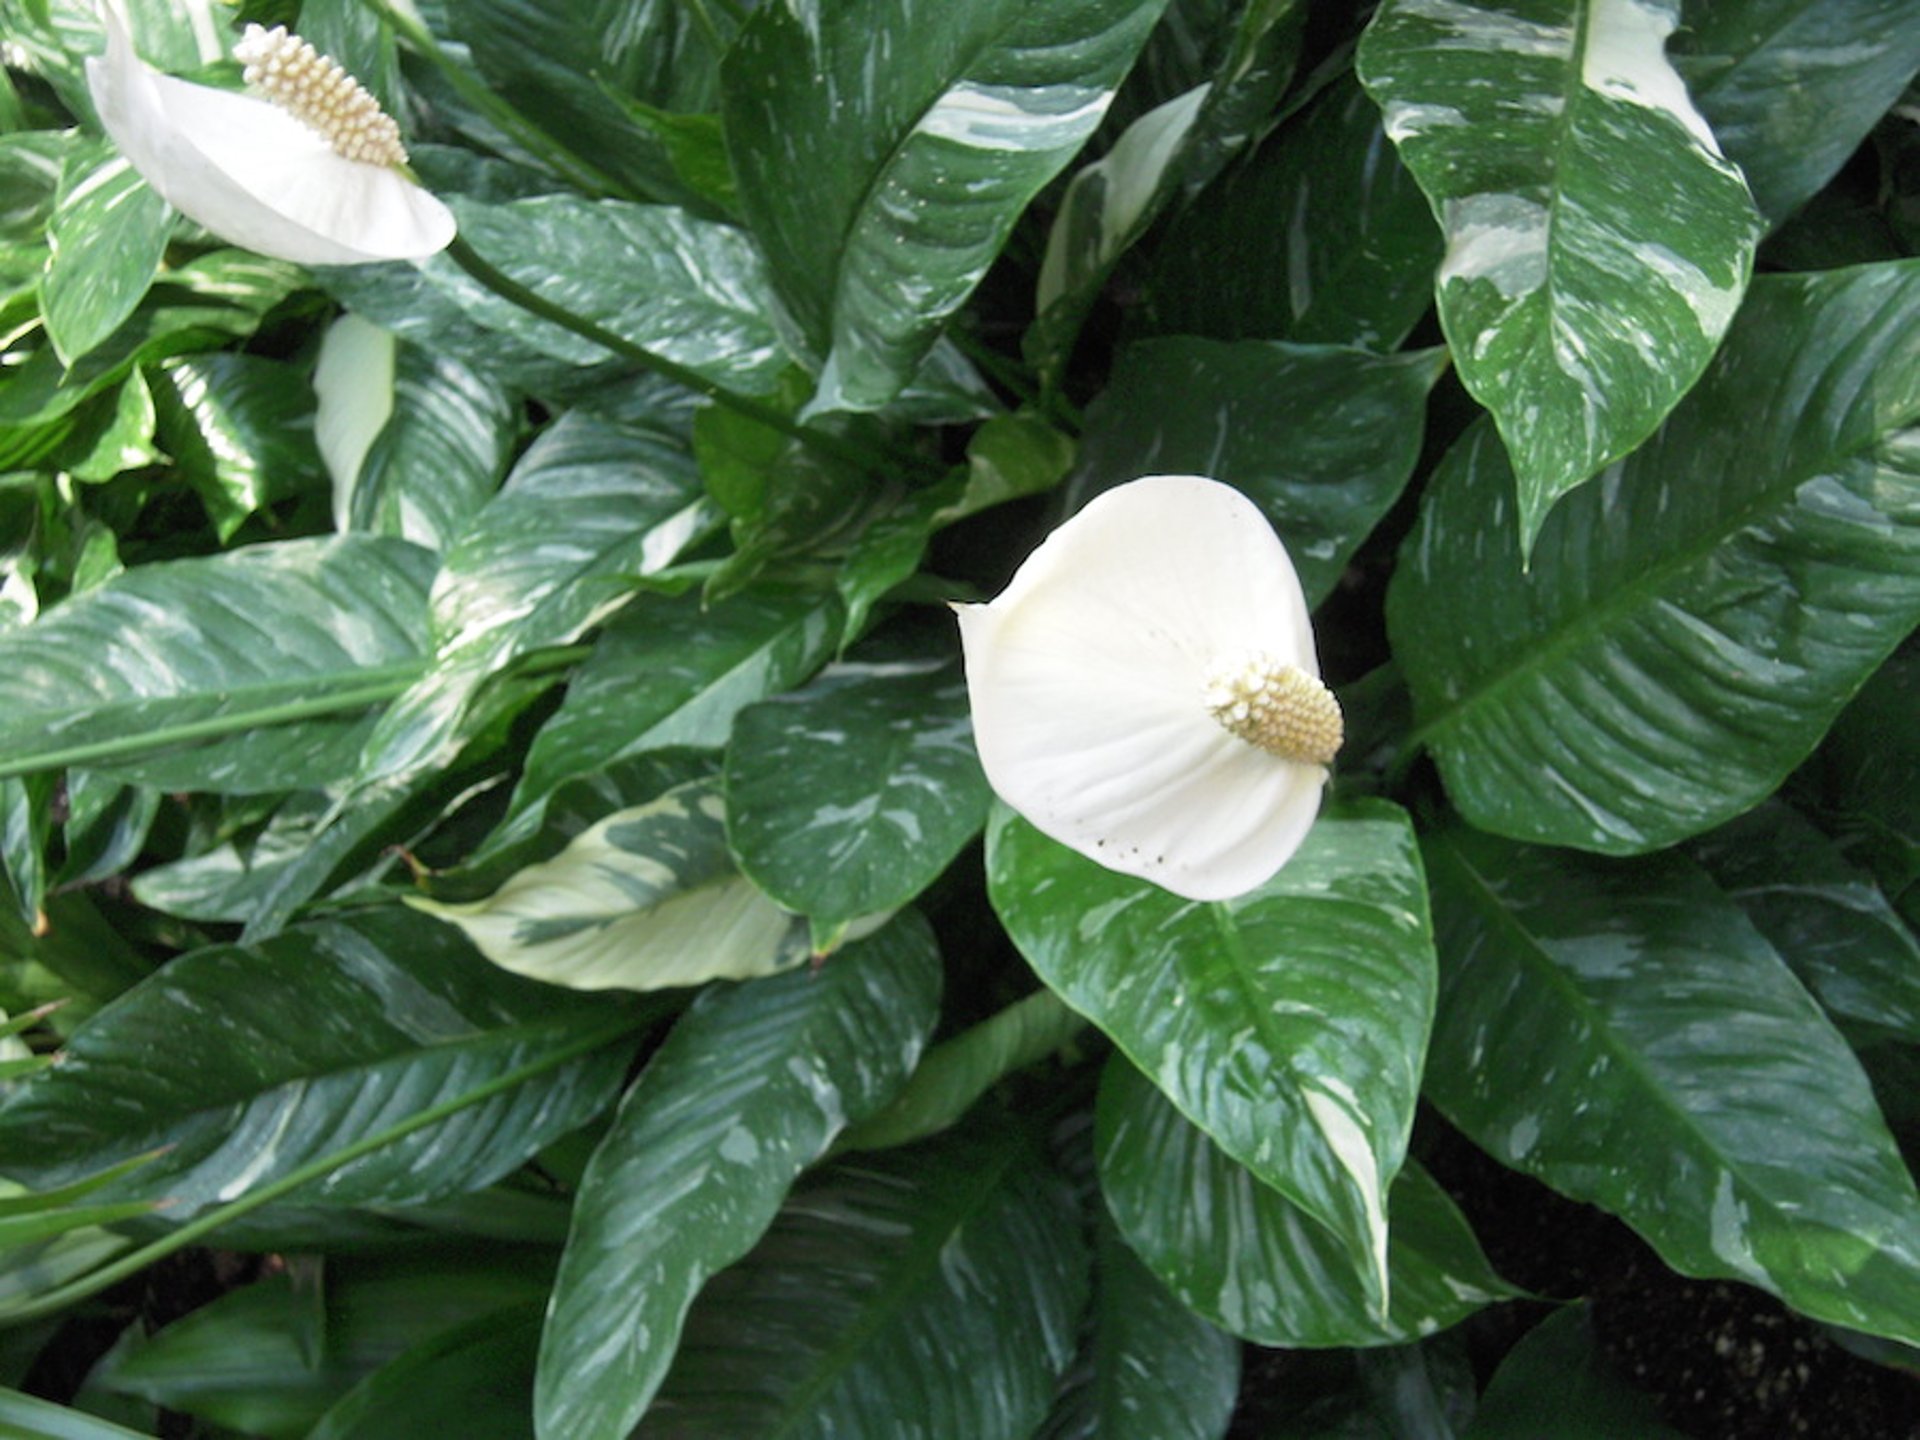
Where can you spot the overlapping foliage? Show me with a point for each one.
(403, 665)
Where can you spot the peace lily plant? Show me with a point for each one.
(308, 169)
(1146, 689)
(496, 809)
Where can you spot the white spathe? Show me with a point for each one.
(253, 174)
(1089, 680)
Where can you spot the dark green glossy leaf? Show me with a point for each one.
(1321, 237)
(1288, 1024)
(1554, 1382)
(917, 168)
(848, 797)
(30, 1416)
(1791, 87)
(691, 290)
(941, 1283)
(1870, 770)
(671, 671)
(1691, 623)
(591, 505)
(1322, 439)
(1824, 917)
(239, 429)
(107, 234)
(1620, 1030)
(213, 648)
(1597, 241)
(396, 1013)
(474, 1380)
(1240, 1254)
(749, 1089)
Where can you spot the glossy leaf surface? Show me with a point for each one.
(1621, 1031)
(1597, 241)
(1288, 1024)
(917, 168)
(750, 1088)
(1691, 623)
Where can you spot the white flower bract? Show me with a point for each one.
(253, 174)
(1146, 689)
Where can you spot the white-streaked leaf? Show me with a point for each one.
(748, 1090)
(647, 898)
(1598, 243)
(1691, 623)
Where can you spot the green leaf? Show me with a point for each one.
(1791, 87)
(124, 676)
(590, 505)
(647, 898)
(1822, 916)
(669, 671)
(1237, 1252)
(1149, 1368)
(917, 168)
(941, 1283)
(1288, 1024)
(247, 1360)
(691, 290)
(569, 68)
(439, 458)
(1620, 1031)
(1170, 151)
(749, 1089)
(849, 796)
(1597, 241)
(957, 1072)
(239, 429)
(107, 234)
(397, 1015)
(1321, 238)
(1322, 439)
(1554, 1382)
(1691, 624)
(1426, 1389)
(474, 1380)
(1870, 768)
(30, 1416)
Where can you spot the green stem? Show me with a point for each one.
(131, 1263)
(577, 171)
(511, 290)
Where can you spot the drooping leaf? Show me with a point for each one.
(1598, 243)
(671, 671)
(849, 796)
(749, 1089)
(1321, 237)
(591, 505)
(1620, 1031)
(128, 674)
(646, 899)
(106, 235)
(918, 168)
(1691, 623)
(1288, 1024)
(1239, 1253)
(1791, 87)
(396, 1014)
(1323, 439)
(941, 1283)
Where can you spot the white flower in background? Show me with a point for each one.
(311, 173)
(1146, 689)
